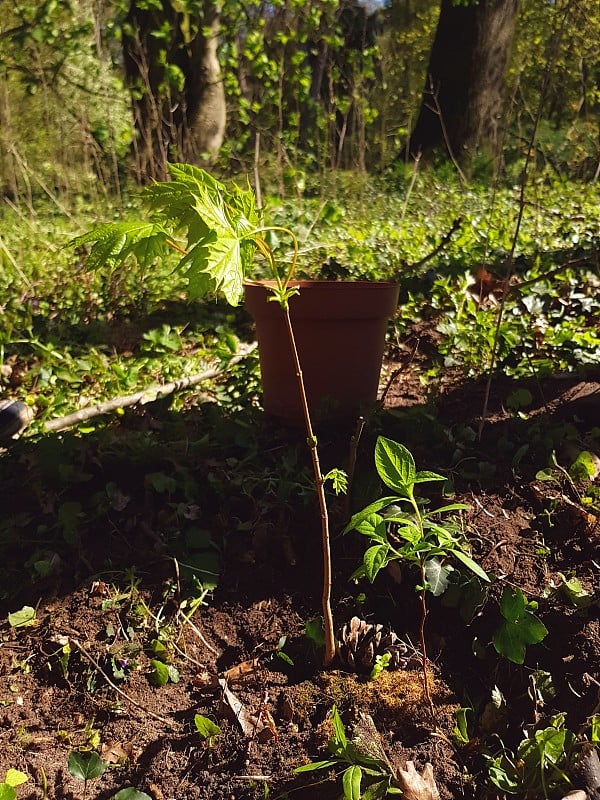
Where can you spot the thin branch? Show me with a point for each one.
(120, 692)
(456, 225)
(148, 395)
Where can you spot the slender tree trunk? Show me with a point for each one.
(462, 101)
(205, 91)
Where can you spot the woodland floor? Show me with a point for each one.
(524, 532)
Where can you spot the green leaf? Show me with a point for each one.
(160, 673)
(520, 627)
(351, 780)
(22, 619)
(377, 791)
(14, 777)
(7, 792)
(595, 729)
(86, 766)
(374, 559)
(512, 603)
(472, 565)
(503, 775)
(339, 733)
(461, 729)
(367, 512)
(315, 765)
(374, 527)
(395, 465)
(551, 743)
(114, 242)
(206, 727)
(585, 466)
(425, 477)
(131, 794)
(437, 576)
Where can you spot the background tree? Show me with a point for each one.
(464, 86)
(172, 68)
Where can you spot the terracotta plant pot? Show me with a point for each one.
(340, 331)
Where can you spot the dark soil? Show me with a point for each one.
(96, 543)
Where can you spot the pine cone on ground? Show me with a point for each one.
(360, 642)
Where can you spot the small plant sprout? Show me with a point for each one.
(400, 530)
(207, 729)
(12, 779)
(366, 770)
(382, 662)
(131, 794)
(359, 764)
(520, 626)
(86, 767)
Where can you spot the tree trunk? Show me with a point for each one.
(462, 100)
(178, 98)
(206, 93)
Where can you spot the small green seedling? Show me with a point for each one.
(400, 530)
(131, 794)
(382, 662)
(86, 767)
(162, 673)
(359, 764)
(13, 778)
(538, 766)
(520, 626)
(207, 729)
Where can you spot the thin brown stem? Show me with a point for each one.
(320, 490)
(424, 659)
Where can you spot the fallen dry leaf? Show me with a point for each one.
(260, 727)
(415, 786)
(116, 753)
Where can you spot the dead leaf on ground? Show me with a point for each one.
(252, 726)
(116, 753)
(417, 786)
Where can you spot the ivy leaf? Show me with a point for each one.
(86, 766)
(520, 627)
(131, 794)
(437, 576)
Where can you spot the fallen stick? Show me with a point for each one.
(148, 395)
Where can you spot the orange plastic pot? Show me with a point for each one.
(340, 329)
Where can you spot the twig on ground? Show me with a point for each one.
(81, 649)
(148, 395)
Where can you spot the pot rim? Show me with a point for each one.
(308, 283)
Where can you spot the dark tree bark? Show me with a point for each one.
(174, 77)
(462, 100)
